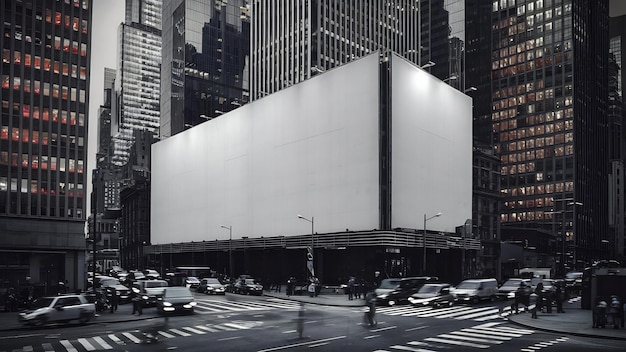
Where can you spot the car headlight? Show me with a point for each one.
(167, 304)
(144, 297)
(412, 300)
(192, 303)
(383, 296)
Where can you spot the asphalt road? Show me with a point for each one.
(244, 323)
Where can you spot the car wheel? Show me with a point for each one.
(41, 321)
(84, 317)
(391, 303)
(475, 300)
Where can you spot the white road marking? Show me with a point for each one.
(86, 344)
(102, 343)
(68, 346)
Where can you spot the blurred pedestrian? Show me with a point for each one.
(559, 297)
(370, 302)
(311, 288)
(290, 283)
(349, 288)
(112, 292)
(136, 299)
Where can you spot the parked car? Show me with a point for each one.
(150, 291)
(407, 287)
(475, 290)
(211, 286)
(509, 287)
(435, 295)
(192, 282)
(176, 299)
(247, 286)
(63, 309)
(108, 282)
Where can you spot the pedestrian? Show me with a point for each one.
(559, 298)
(290, 283)
(349, 288)
(112, 298)
(356, 288)
(539, 293)
(136, 299)
(370, 302)
(534, 299)
(311, 288)
(519, 294)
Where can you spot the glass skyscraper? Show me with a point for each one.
(205, 66)
(549, 120)
(45, 89)
(137, 84)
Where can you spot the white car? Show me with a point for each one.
(61, 309)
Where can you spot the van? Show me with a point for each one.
(476, 290)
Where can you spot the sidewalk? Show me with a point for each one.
(575, 321)
(327, 297)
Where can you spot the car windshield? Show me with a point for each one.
(192, 279)
(573, 275)
(174, 292)
(429, 289)
(389, 283)
(42, 302)
(110, 282)
(250, 281)
(512, 282)
(213, 281)
(151, 284)
(468, 285)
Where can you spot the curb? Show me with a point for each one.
(554, 331)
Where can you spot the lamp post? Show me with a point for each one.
(230, 249)
(424, 238)
(310, 251)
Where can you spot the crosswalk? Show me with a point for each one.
(460, 312)
(481, 336)
(118, 340)
(204, 306)
(207, 306)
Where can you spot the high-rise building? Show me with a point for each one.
(294, 40)
(45, 89)
(549, 115)
(617, 127)
(205, 61)
(138, 80)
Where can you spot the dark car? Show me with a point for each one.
(434, 295)
(108, 283)
(211, 286)
(176, 300)
(248, 286)
(509, 287)
(407, 287)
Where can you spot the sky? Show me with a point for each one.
(107, 15)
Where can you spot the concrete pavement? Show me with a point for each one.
(575, 321)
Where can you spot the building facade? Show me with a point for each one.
(549, 92)
(137, 84)
(617, 127)
(205, 66)
(43, 141)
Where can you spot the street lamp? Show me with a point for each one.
(424, 237)
(310, 252)
(451, 78)
(230, 249)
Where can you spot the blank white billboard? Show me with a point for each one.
(311, 149)
(431, 150)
